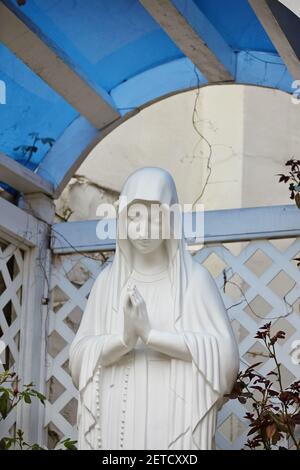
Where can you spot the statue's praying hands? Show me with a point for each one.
(137, 324)
(136, 320)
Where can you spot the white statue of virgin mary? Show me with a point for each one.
(155, 352)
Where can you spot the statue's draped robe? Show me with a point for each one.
(188, 394)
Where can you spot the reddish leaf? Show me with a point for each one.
(253, 366)
(253, 430)
(242, 400)
(296, 418)
(271, 430)
(272, 373)
(266, 326)
(273, 393)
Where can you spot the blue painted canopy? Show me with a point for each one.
(117, 46)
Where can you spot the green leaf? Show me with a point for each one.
(29, 385)
(41, 397)
(7, 441)
(36, 447)
(4, 405)
(27, 398)
(69, 445)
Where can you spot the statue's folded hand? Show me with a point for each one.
(169, 343)
(140, 314)
(130, 335)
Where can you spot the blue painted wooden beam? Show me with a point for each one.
(68, 152)
(227, 225)
(208, 33)
(191, 31)
(28, 43)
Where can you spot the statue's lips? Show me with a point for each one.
(143, 242)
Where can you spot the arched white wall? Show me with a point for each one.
(251, 131)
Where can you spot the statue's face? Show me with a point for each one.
(144, 224)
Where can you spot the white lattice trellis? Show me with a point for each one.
(263, 282)
(71, 281)
(11, 307)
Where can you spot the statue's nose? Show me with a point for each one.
(143, 232)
